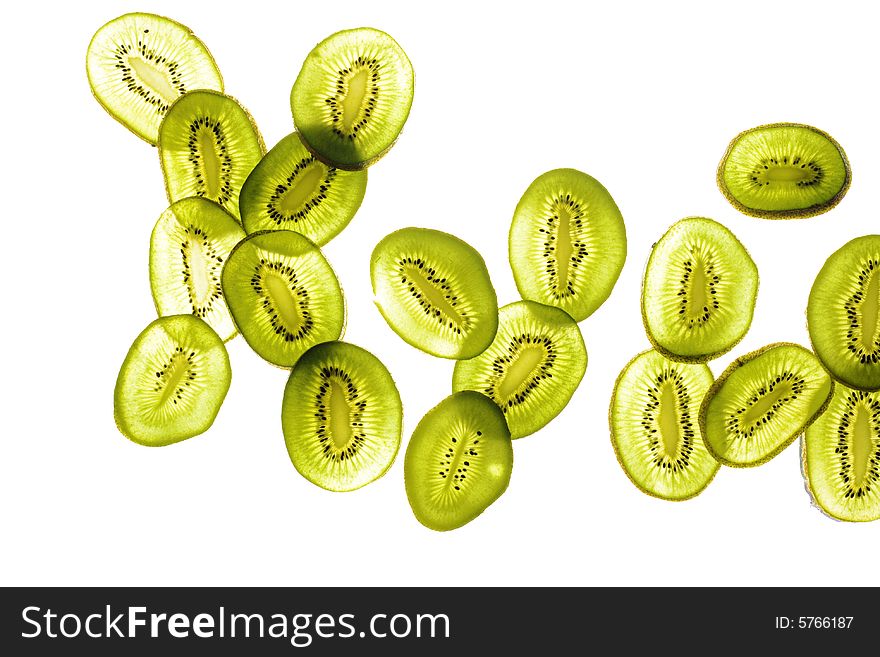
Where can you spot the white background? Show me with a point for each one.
(644, 97)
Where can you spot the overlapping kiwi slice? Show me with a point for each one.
(699, 291)
(531, 369)
(567, 242)
(784, 171)
(139, 64)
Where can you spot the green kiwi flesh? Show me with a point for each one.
(341, 416)
(699, 291)
(654, 426)
(458, 461)
(290, 189)
(762, 402)
(352, 97)
(784, 171)
(139, 64)
(843, 313)
(283, 295)
(531, 369)
(567, 242)
(434, 291)
(172, 382)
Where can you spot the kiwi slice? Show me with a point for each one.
(458, 461)
(172, 382)
(139, 64)
(434, 291)
(341, 416)
(784, 171)
(208, 145)
(190, 243)
(283, 295)
(531, 369)
(762, 402)
(291, 189)
(843, 313)
(352, 97)
(654, 426)
(567, 242)
(699, 291)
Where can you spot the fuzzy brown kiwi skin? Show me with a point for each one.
(801, 213)
(359, 166)
(704, 407)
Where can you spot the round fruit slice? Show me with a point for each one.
(654, 430)
(434, 290)
(139, 64)
(567, 242)
(531, 369)
(762, 402)
(699, 291)
(352, 97)
(172, 382)
(290, 189)
(458, 461)
(341, 416)
(283, 295)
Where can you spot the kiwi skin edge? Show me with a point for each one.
(723, 378)
(801, 213)
(360, 166)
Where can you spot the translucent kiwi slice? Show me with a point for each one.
(699, 291)
(567, 242)
(283, 295)
(654, 426)
(843, 313)
(531, 369)
(172, 382)
(784, 171)
(139, 64)
(458, 461)
(190, 243)
(208, 145)
(762, 402)
(291, 189)
(352, 97)
(434, 290)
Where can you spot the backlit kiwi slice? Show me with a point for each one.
(283, 295)
(843, 313)
(784, 171)
(172, 382)
(291, 189)
(531, 369)
(434, 290)
(458, 461)
(567, 242)
(762, 402)
(352, 97)
(139, 64)
(699, 291)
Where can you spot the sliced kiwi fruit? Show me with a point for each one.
(434, 291)
(784, 171)
(352, 97)
(283, 295)
(699, 291)
(762, 402)
(188, 247)
(655, 432)
(843, 313)
(291, 189)
(139, 64)
(531, 369)
(458, 461)
(172, 382)
(567, 242)
(208, 145)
